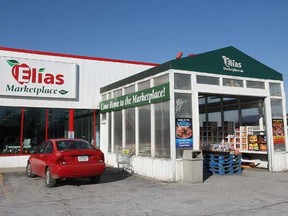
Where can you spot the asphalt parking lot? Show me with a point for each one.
(256, 192)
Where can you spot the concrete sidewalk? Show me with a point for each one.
(254, 192)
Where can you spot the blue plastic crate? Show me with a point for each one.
(226, 170)
(224, 164)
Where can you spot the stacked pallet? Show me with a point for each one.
(224, 164)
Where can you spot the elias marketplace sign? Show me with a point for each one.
(36, 78)
(155, 94)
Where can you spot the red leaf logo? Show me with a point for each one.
(22, 73)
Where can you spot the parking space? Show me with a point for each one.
(254, 192)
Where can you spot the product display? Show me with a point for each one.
(247, 139)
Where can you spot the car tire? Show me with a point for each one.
(49, 180)
(29, 172)
(95, 179)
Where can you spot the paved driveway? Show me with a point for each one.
(254, 192)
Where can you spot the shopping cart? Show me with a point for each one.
(124, 159)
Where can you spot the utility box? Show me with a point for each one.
(193, 166)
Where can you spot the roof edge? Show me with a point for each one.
(76, 56)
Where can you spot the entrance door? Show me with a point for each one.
(234, 124)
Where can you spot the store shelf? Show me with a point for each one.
(253, 152)
(260, 132)
(255, 161)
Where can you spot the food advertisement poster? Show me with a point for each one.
(184, 132)
(278, 131)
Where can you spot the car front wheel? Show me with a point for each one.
(29, 172)
(49, 180)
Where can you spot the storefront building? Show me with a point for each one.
(221, 100)
(49, 95)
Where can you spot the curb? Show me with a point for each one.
(12, 170)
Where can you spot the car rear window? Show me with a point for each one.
(72, 144)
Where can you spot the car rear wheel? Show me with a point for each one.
(49, 180)
(95, 179)
(29, 172)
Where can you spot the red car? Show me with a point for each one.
(66, 158)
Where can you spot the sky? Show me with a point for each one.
(148, 31)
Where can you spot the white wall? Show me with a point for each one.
(158, 168)
(13, 161)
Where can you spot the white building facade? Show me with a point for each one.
(45, 95)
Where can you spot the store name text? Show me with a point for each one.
(22, 73)
(34, 90)
(25, 75)
(232, 65)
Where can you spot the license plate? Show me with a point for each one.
(83, 158)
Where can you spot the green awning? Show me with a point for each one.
(226, 61)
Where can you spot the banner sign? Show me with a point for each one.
(156, 94)
(37, 78)
(184, 132)
(278, 131)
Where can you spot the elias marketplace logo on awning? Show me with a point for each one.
(26, 75)
(232, 65)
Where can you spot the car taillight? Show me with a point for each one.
(61, 160)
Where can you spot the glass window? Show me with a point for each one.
(130, 89)
(275, 89)
(276, 106)
(207, 80)
(109, 132)
(109, 96)
(213, 99)
(255, 84)
(34, 127)
(145, 130)
(10, 119)
(232, 82)
(49, 148)
(162, 130)
(104, 116)
(161, 80)
(130, 128)
(117, 93)
(103, 97)
(183, 114)
(182, 81)
(232, 115)
(56, 123)
(41, 148)
(250, 114)
(202, 119)
(117, 129)
(183, 105)
(144, 85)
(201, 100)
(215, 117)
(130, 121)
